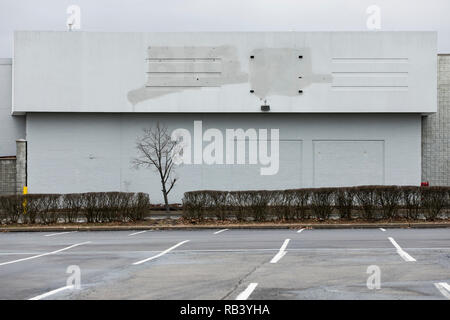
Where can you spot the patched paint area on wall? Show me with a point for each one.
(348, 163)
(173, 69)
(282, 71)
(272, 71)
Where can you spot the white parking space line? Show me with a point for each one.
(59, 233)
(384, 230)
(161, 253)
(139, 232)
(401, 252)
(217, 232)
(247, 292)
(45, 254)
(47, 294)
(281, 252)
(443, 288)
(300, 230)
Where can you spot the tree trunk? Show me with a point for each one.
(166, 200)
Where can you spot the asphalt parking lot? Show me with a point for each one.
(227, 264)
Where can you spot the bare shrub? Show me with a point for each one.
(240, 202)
(300, 202)
(322, 203)
(388, 200)
(411, 199)
(12, 207)
(434, 200)
(194, 205)
(366, 200)
(344, 199)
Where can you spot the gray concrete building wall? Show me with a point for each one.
(436, 131)
(92, 152)
(11, 127)
(357, 121)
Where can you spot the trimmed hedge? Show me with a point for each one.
(94, 207)
(365, 202)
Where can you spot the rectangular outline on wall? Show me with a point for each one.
(371, 61)
(302, 178)
(347, 140)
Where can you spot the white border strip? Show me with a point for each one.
(401, 252)
(139, 232)
(217, 232)
(45, 295)
(59, 233)
(161, 253)
(443, 288)
(45, 254)
(247, 292)
(281, 252)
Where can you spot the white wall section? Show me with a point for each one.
(11, 127)
(302, 72)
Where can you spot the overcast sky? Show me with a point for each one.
(223, 15)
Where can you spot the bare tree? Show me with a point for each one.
(157, 150)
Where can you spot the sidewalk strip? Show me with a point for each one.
(139, 232)
(217, 232)
(279, 226)
(59, 233)
(401, 252)
(247, 292)
(281, 252)
(443, 288)
(162, 253)
(45, 254)
(47, 294)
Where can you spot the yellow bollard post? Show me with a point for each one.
(24, 203)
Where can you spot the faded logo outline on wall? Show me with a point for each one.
(272, 71)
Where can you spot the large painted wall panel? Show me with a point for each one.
(93, 152)
(300, 72)
(348, 163)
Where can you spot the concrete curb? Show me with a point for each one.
(218, 226)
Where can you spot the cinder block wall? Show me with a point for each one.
(436, 131)
(8, 175)
(13, 170)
